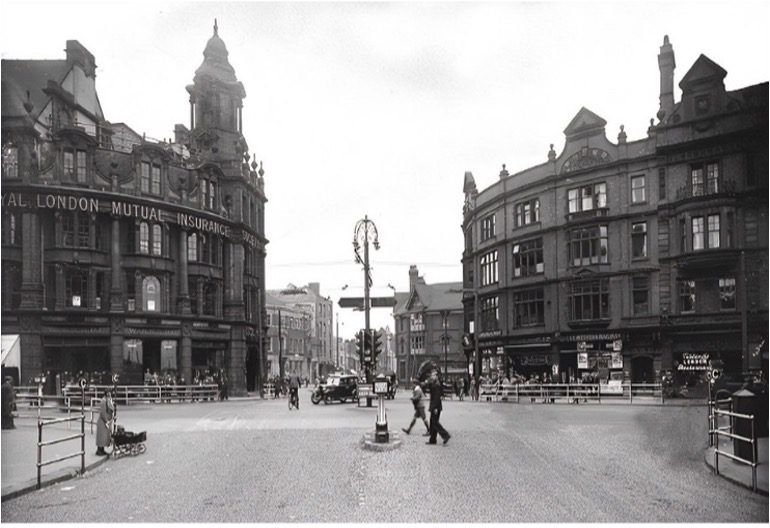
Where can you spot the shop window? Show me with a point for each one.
(10, 161)
(638, 189)
(528, 307)
(589, 300)
(528, 258)
(132, 352)
(640, 290)
(639, 240)
(151, 294)
(686, 296)
(727, 293)
(589, 245)
(130, 291)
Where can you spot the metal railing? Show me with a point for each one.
(127, 394)
(41, 424)
(727, 431)
(569, 392)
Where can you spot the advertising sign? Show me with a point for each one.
(617, 345)
(617, 360)
(582, 360)
(693, 361)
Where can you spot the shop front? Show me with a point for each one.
(592, 358)
(530, 357)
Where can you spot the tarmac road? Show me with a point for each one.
(255, 461)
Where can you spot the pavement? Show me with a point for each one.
(252, 459)
(736, 472)
(18, 450)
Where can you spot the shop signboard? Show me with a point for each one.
(617, 345)
(694, 362)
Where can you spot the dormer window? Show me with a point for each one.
(208, 193)
(74, 164)
(155, 179)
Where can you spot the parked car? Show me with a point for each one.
(336, 387)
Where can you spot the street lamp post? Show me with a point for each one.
(445, 340)
(364, 232)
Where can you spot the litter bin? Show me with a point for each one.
(743, 403)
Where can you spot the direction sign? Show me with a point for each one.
(374, 302)
(115, 378)
(82, 383)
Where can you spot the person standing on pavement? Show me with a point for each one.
(103, 433)
(461, 387)
(436, 392)
(8, 402)
(419, 408)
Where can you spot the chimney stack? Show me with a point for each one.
(666, 64)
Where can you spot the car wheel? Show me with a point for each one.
(315, 398)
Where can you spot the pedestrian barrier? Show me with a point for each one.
(568, 392)
(727, 431)
(269, 390)
(41, 424)
(126, 394)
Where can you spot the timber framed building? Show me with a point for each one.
(121, 254)
(628, 260)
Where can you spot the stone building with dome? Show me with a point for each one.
(121, 253)
(633, 258)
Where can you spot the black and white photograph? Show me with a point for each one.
(384, 262)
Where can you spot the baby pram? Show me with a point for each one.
(128, 443)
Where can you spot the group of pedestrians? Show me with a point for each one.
(434, 428)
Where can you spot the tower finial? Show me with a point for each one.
(216, 28)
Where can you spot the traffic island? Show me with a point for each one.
(370, 441)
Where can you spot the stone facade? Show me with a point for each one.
(630, 259)
(133, 254)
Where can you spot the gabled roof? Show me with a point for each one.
(704, 69)
(22, 76)
(583, 121)
(435, 297)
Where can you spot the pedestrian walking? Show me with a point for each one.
(473, 388)
(8, 403)
(419, 408)
(436, 392)
(461, 385)
(106, 414)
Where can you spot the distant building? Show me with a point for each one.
(626, 260)
(429, 328)
(120, 253)
(322, 350)
(294, 346)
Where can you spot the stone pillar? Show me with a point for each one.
(185, 352)
(233, 281)
(33, 357)
(116, 346)
(116, 292)
(237, 361)
(31, 253)
(183, 295)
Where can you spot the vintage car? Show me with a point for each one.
(341, 387)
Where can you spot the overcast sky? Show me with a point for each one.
(378, 109)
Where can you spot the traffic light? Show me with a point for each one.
(364, 345)
(376, 343)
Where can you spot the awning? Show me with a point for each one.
(11, 348)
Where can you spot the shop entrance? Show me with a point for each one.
(252, 367)
(151, 355)
(642, 370)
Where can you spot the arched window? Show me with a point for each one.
(151, 294)
(157, 240)
(144, 238)
(192, 247)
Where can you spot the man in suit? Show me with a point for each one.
(436, 392)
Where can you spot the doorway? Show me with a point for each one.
(642, 370)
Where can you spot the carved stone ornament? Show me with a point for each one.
(585, 158)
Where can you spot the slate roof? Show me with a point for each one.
(433, 297)
(20, 76)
